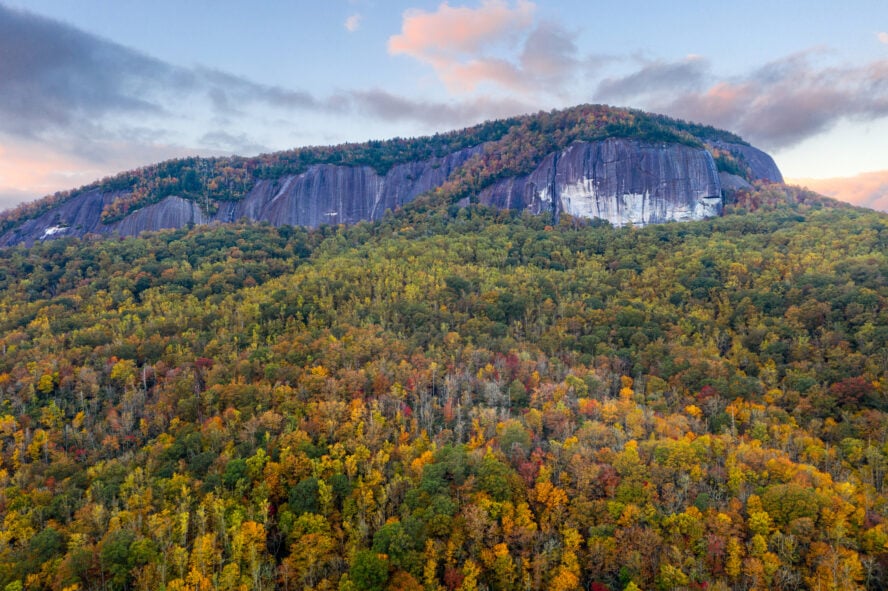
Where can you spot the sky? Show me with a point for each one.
(89, 88)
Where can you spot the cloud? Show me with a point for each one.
(464, 46)
(499, 49)
(791, 100)
(466, 77)
(869, 189)
(236, 143)
(388, 107)
(882, 37)
(775, 106)
(33, 168)
(54, 74)
(353, 22)
(654, 78)
(450, 32)
(71, 101)
(230, 93)
(57, 78)
(549, 54)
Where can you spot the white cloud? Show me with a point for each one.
(883, 37)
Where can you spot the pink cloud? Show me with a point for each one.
(429, 36)
(35, 172)
(453, 40)
(869, 189)
(29, 169)
(466, 77)
(883, 37)
(353, 22)
(786, 101)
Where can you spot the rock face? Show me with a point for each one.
(172, 212)
(82, 215)
(75, 217)
(327, 194)
(732, 182)
(761, 164)
(324, 194)
(622, 181)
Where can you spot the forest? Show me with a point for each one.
(453, 398)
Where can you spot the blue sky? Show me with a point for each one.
(90, 88)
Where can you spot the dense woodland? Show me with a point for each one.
(452, 399)
(512, 146)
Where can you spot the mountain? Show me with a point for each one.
(462, 395)
(452, 398)
(591, 161)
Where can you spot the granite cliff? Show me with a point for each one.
(329, 194)
(638, 170)
(324, 194)
(618, 180)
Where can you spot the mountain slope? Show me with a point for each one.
(451, 395)
(646, 169)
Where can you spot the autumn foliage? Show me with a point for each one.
(450, 399)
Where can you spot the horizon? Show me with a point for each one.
(92, 91)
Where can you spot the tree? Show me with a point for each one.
(369, 571)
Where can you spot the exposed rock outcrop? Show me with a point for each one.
(77, 216)
(82, 215)
(172, 212)
(732, 182)
(620, 180)
(760, 164)
(324, 194)
(623, 181)
(327, 194)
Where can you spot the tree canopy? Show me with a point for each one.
(451, 399)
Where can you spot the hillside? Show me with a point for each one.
(452, 398)
(624, 166)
